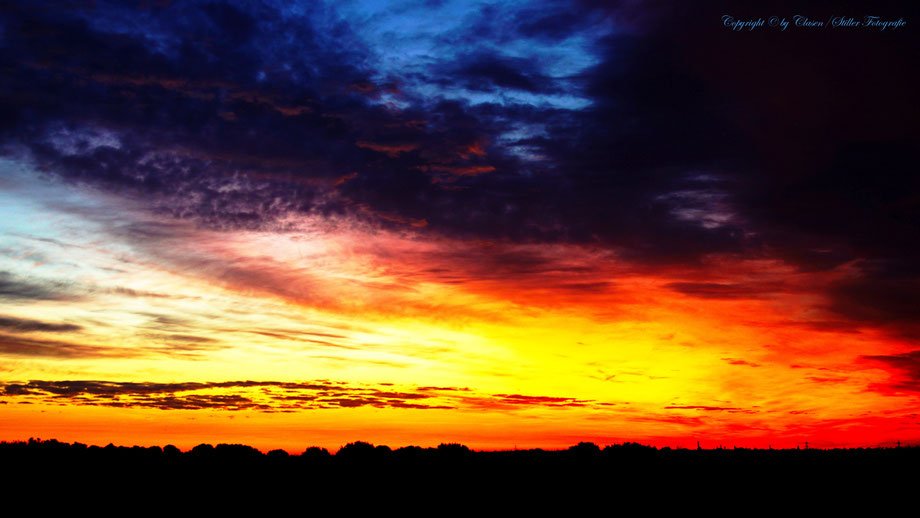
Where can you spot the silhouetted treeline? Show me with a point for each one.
(36, 448)
(434, 479)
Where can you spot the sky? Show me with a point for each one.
(499, 223)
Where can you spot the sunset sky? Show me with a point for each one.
(499, 223)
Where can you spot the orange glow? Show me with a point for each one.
(582, 347)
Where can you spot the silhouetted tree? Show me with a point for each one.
(585, 449)
(453, 450)
(236, 451)
(315, 451)
(202, 450)
(357, 449)
(410, 452)
(382, 450)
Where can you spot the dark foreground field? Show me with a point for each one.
(454, 474)
(452, 480)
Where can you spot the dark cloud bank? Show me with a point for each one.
(798, 145)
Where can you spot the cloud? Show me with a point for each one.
(243, 178)
(172, 345)
(24, 325)
(518, 399)
(904, 369)
(16, 289)
(714, 290)
(736, 361)
(886, 299)
(679, 141)
(269, 396)
(488, 72)
(707, 408)
(11, 345)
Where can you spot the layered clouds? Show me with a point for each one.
(523, 198)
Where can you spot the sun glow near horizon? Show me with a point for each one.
(584, 345)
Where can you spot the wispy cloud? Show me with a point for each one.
(270, 396)
(25, 325)
(13, 288)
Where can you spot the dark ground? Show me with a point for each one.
(452, 475)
